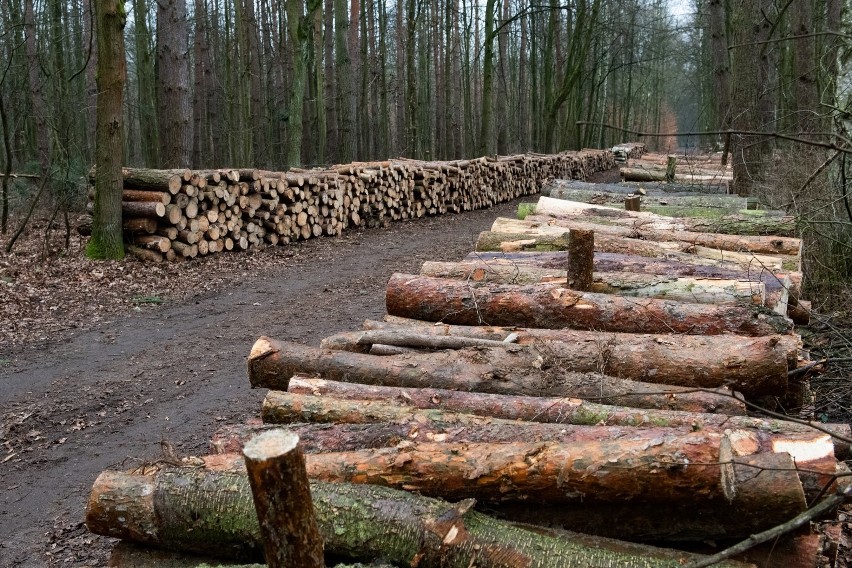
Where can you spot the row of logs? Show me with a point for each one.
(178, 214)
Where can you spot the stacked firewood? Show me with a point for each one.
(179, 214)
(615, 412)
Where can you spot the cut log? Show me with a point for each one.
(695, 361)
(731, 225)
(693, 254)
(554, 307)
(605, 196)
(318, 400)
(686, 289)
(581, 255)
(153, 209)
(495, 370)
(282, 498)
(154, 242)
(144, 254)
(208, 510)
(543, 225)
(161, 180)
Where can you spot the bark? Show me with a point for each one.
(681, 360)
(679, 266)
(581, 255)
(272, 363)
(282, 498)
(604, 196)
(155, 180)
(698, 290)
(553, 307)
(540, 224)
(143, 209)
(173, 75)
(319, 400)
(729, 224)
(202, 509)
(106, 241)
(685, 252)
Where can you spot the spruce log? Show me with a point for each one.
(683, 265)
(732, 225)
(318, 400)
(153, 209)
(672, 359)
(272, 363)
(625, 188)
(209, 510)
(159, 180)
(604, 196)
(686, 289)
(554, 307)
(489, 241)
(543, 225)
(282, 498)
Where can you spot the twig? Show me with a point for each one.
(775, 532)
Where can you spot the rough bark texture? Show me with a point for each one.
(639, 229)
(731, 224)
(672, 359)
(201, 509)
(350, 403)
(489, 241)
(282, 498)
(685, 289)
(272, 363)
(550, 306)
(581, 255)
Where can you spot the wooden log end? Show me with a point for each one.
(270, 445)
(261, 348)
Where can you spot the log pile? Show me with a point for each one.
(627, 151)
(494, 385)
(180, 214)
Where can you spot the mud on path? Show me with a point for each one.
(173, 373)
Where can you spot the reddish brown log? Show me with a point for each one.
(551, 306)
(705, 360)
(282, 498)
(272, 363)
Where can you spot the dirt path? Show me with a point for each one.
(109, 397)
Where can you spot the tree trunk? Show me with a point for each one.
(106, 241)
(550, 306)
(202, 509)
(173, 74)
(272, 363)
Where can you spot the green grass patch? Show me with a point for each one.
(525, 209)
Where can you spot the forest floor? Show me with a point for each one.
(101, 364)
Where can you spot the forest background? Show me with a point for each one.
(275, 83)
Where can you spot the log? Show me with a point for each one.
(154, 242)
(581, 254)
(687, 289)
(160, 180)
(625, 188)
(693, 254)
(282, 498)
(209, 510)
(550, 306)
(319, 400)
(606, 196)
(137, 225)
(544, 225)
(143, 209)
(732, 225)
(777, 283)
(272, 363)
(144, 254)
(693, 361)
(641, 174)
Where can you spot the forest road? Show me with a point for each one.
(113, 396)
